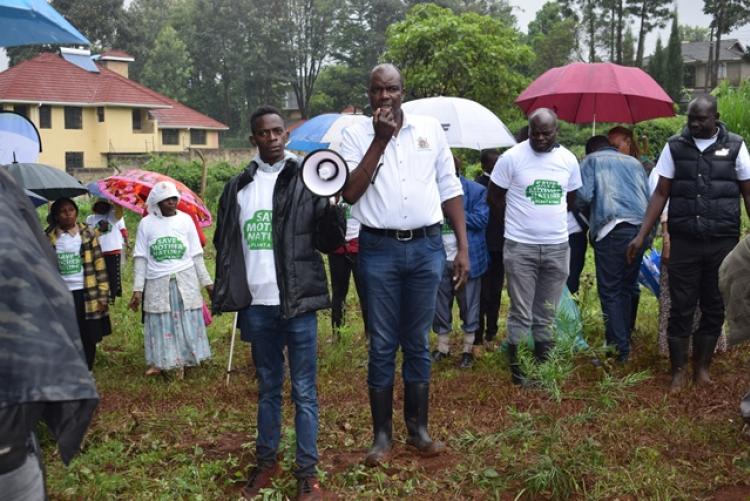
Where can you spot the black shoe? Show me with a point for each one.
(516, 374)
(416, 413)
(467, 361)
(260, 477)
(703, 353)
(541, 350)
(678, 351)
(381, 407)
(437, 356)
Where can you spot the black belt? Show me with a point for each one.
(406, 235)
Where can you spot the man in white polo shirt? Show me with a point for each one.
(532, 186)
(402, 173)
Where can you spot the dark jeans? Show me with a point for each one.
(577, 242)
(693, 275)
(342, 266)
(269, 334)
(401, 281)
(616, 279)
(489, 303)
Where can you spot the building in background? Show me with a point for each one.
(88, 111)
(734, 66)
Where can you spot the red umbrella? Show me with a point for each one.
(597, 92)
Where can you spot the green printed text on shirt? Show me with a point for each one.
(166, 248)
(257, 231)
(544, 192)
(446, 228)
(69, 263)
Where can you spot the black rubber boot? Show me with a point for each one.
(703, 353)
(541, 350)
(416, 413)
(516, 374)
(381, 407)
(678, 350)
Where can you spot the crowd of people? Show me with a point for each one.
(416, 234)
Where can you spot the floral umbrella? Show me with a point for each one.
(131, 188)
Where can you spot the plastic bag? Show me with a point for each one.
(650, 271)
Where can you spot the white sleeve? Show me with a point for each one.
(120, 224)
(139, 274)
(742, 164)
(194, 243)
(574, 181)
(141, 240)
(448, 183)
(502, 173)
(349, 149)
(200, 269)
(665, 165)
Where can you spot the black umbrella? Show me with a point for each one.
(48, 182)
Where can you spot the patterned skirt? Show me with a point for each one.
(177, 338)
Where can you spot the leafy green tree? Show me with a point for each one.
(649, 14)
(673, 68)
(467, 55)
(693, 33)
(590, 19)
(168, 67)
(726, 15)
(657, 64)
(552, 36)
(628, 47)
(337, 87)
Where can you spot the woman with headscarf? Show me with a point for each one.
(81, 264)
(169, 274)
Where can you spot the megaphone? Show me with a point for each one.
(324, 172)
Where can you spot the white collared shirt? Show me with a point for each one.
(416, 176)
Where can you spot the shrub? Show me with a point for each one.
(734, 107)
(657, 132)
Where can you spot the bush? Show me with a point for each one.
(734, 107)
(657, 132)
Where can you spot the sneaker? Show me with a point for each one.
(437, 356)
(308, 489)
(259, 478)
(467, 361)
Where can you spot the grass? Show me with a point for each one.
(583, 433)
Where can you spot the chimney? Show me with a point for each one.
(117, 61)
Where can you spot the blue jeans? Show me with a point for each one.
(616, 280)
(269, 334)
(401, 281)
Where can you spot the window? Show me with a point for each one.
(137, 123)
(73, 160)
(73, 117)
(21, 109)
(45, 117)
(100, 114)
(197, 136)
(170, 136)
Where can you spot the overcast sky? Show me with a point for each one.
(690, 12)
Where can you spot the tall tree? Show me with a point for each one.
(693, 33)
(168, 67)
(467, 55)
(552, 35)
(726, 15)
(673, 67)
(656, 64)
(628, 47)
(650, 14)
(590, 19)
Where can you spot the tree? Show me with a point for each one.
(467, 55)
(552, 36)
(613, 36)
(656, 64)
(673, 68)
(726, 15)
(693, 33)
(168, 67)
(590, 19)
(650, 14)
(628, 47)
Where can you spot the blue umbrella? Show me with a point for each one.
(28, 22)
(323, 131)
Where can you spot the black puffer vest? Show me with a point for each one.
(705, 197)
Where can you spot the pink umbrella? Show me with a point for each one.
(597, 92)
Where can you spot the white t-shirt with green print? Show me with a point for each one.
(69, 262)
(537, 183)
(169, 244)
(256, 210)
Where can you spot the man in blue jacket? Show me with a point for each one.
(477, 216)
(615, 221)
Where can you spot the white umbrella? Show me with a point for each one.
(466, 123)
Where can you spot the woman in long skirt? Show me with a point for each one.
(169, 274)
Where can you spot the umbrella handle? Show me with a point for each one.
(231, 347)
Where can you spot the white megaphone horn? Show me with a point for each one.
(324, 172)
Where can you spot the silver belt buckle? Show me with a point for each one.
(404, 232)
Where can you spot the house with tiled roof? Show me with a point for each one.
(734, 66)
(88, 111)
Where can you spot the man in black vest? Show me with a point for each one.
(703, 172)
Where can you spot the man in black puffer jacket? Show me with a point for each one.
(269, 226)
(703, 172)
